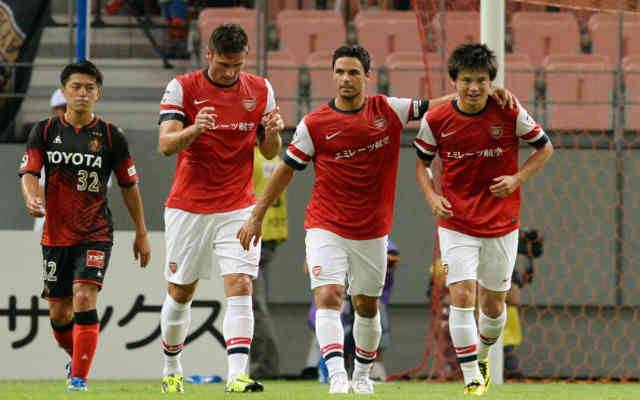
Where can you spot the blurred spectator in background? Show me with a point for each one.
(175, 16)
(530, 246)
(264, 356)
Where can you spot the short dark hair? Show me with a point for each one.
(474, 57)
(228, 39)
(355, 51)
(81, 67)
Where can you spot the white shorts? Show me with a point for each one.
(489, 261)
(195, 242)
(332, 259)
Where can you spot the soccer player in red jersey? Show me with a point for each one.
(354, 142)
(78, 151)
(211, 119)
(479, 209)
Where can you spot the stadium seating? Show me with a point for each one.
(384, 15)
(282, 73)
(519, 78)
(460, 27)
(406, 74)
(277, 6)
(604, 35)
(631, 65)
(539, 34)
(305, 35)
(385, 36)
(570, 81)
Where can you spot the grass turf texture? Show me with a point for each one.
(285, 390)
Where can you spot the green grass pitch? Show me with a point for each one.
(285, 390)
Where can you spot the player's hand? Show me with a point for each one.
(503, 97)
(504, 186)
(141, 249)
(272, 122)
(441, 207)
(205, 119)
(35, 206)
(250, 232)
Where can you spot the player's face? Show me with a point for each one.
(224, 68)
(81, 92)
(473, 89)
(348, 73)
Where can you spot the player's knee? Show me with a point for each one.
(462, 295)
(181, 293)
(84, 297)
(329, 296)
(61, 316)
(238, 285)
(365, 306)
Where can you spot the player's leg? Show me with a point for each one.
(188, 241)
(58, 291)
(378, 372)
(367, 271)
(497, 261)
(327, 262)
(90, 263)
(239, 268)
(460, 257)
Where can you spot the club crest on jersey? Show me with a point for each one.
(173, 267)
(496, 131)
(249, 104)
(94, 145)
(379, 123)
(316, 270)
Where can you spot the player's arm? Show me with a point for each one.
(133, 201)
(507, 184)
(270, 141)
(272, 124)
(173, 137)
(252, 228)
(31, 168)
(440, 206)
(529, 131)
(33, 195)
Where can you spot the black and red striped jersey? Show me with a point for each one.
(77, 164)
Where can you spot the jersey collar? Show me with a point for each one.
(206, 75)
(455, 106)
(332, 104)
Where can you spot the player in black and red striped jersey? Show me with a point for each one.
(79, 151)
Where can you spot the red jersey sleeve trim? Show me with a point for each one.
(46, 130)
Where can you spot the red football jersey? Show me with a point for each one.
(214, 174)
(78, 163)
(356, 163)
(475, 149)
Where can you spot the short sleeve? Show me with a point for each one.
(425, 142)
(123, 166)
(526, 128)
(271, 98)
(402, 108)
(301, 149)
(33, 157)
(172, 105)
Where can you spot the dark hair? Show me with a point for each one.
(81, 67)
(355, 51)
(474, 57)
(228, 39)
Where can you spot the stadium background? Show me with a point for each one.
(579, 316)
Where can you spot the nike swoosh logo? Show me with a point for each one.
(196, 102)
(448, 134)
(329, 137)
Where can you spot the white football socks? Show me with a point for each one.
(464, 335)
(330, 334)
(237, 328)
(366, 333)
(489, 330)
(175, 319)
